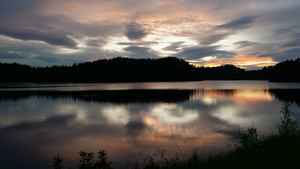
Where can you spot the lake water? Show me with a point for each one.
(38, 121)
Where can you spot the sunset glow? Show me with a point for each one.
(206, 33)
(239, 95)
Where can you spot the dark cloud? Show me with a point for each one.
(52, 38)
(33, 27)
(95, 43)
(285, 17)
(292, 32)
(90, 30)
(242, 44)
(37, 54)
(23, 20)
(136, 43)
(140, 52)
(136, 49)
(27, 21)
(134, 31)
(9, 8)
(254, 53)
(200, 52)
(232, 27)
(241, 23)
(286, 31)
(211, 39)
(4, 54)
(292, 53)
(174, 46)
(295, 42)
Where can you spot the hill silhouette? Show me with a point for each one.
(225, 72)
(143, 70)
(287, 71)
(104, 70)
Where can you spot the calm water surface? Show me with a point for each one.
(125, 119)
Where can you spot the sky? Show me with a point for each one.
(250, 34)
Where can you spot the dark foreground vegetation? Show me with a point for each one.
(144, 70)
(280, 150)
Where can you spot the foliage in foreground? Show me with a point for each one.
(86, 161)
(279, 150)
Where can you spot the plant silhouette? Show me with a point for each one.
(289, 126)
(86, 161)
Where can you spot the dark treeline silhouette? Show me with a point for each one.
(143, 70)
(225, 72)
(287, 71)
(104, 70)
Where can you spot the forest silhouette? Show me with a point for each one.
(144, 70)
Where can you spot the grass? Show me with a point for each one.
(280, 150)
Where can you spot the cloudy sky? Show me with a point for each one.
(247, 33)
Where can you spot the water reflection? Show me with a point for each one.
(291, 95)
(113, 96)
(36, 125)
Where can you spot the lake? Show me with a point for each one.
(38, 121)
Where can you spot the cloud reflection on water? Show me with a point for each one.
(66, 123)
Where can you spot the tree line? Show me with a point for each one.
(143, 70)
(287, 71)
